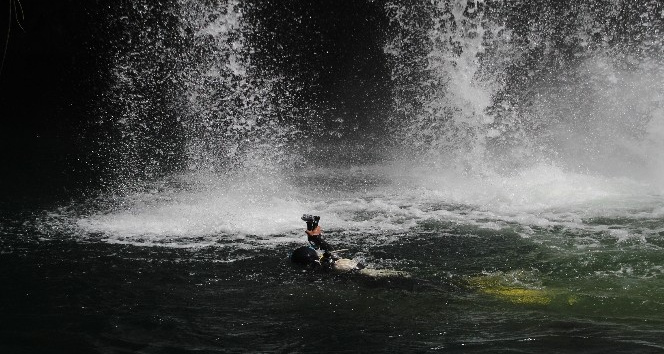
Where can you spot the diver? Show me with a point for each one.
(307, 255)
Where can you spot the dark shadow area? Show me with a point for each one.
(334, 51)
(46, 88)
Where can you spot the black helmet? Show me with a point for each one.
(305, 256)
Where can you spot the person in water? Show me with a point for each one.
(307, 255)
(315, 238)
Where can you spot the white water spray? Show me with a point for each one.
(506, 130)
(494, 100)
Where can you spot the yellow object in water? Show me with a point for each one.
(516, 295)
(520, 296)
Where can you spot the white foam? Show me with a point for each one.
(255, 211)
(544, 187)
(216, 208)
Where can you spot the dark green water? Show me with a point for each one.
(470, 288)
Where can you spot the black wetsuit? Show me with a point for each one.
(328, 259)
(307, 256)
(319, 243)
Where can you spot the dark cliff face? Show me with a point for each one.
(47, 82)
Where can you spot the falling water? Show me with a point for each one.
(498, 87)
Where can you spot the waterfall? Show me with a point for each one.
(190, 92)
(493, 86)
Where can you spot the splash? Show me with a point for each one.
(234, 108)
(189, 92)
(516, 116)
(492, 87)
(192, 100)
(202, 210)
(444, 90)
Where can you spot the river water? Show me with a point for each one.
(207, 271)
